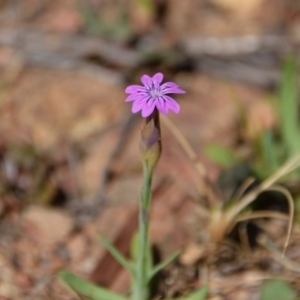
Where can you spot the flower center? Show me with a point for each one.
(154, 93)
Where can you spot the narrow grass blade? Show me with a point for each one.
(87, 289)
(163, 264)
(270, 153)
(117, 255)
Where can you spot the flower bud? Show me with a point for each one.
(150, 145)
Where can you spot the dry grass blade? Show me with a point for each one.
(290, 201)
(203, 182)
(184, 144)
(292, 164)
(262, 214)
(244, 187)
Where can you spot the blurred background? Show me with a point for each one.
(69, 164)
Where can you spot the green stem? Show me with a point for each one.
(141, 285)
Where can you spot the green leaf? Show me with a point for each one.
(198, 295)
(117, 255)
(288, 106)
(277, 289)
(163, 264)
(221, 155)
(87, 289)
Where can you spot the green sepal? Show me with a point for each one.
(117, 255)
(86, 288)
(162, 265)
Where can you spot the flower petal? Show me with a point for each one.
(161, 106)
(134, 88)
(137, 96)
(171, 104)
(147, 110)
(157, 78)
(169, 84)
(131, 97)
(147, 81)
(171, 87)
(137, 106)
(144, 99)
(161, 101)
(173, 91)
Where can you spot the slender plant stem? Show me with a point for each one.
(141, 285)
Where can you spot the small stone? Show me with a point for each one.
(47, 226)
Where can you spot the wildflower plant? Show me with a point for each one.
(151, 99)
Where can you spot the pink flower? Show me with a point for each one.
(153, 95)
